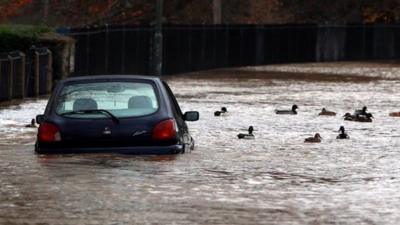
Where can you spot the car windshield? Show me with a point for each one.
(120, 99)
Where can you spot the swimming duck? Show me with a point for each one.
(362, 112)
(348, 116)
(32, 124)
(342, 134)
(247, 136)
(394, 114)
(316, 139)
(289, 112)
(325, 112)
(223, 111)
(358, 118)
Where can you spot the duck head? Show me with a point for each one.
(341, 129)
(369, 115)
(347, 115)
(317, 136)
(323, 110)
(251, 129)
(364, 109)
(224, 110)
(294, 107)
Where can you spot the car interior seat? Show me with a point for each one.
(140, 102)
(84, 104)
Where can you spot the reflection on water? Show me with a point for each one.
(274, 179)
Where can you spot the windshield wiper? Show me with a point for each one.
(91, 111)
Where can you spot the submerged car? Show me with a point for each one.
(114, 113)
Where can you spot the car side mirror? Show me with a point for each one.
(39, 119)
(191, 116)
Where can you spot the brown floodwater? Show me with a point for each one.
(274, 179)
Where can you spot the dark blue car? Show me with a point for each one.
(122, 114)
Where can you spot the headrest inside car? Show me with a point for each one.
(84, 104)
(139, 102)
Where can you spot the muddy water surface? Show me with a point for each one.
(274, 179)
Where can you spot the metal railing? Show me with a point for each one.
(187, 48)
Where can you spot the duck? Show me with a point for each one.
(288, 112)
(394, 114)
(223, 111)
(348, 116)
(342, 134)
(316, 139)
(362, 112)
(250, 135)
(32, 124)
(358, 118)
(325, 112)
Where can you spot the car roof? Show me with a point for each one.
(102, 77)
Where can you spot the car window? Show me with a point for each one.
(122, 99)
